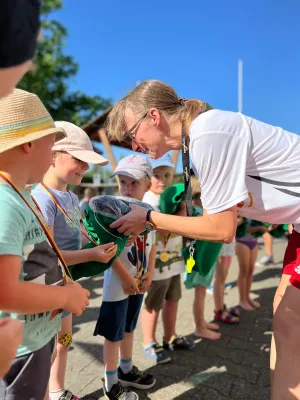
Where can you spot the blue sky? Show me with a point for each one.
(194, 46)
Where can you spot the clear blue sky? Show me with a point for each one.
(194, 46)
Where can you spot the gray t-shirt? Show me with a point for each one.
(66, 235)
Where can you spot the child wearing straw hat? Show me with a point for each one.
(33, 270)
(60, 207)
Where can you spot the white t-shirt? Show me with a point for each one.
(174, 264)
(241, 161)
(113, 288)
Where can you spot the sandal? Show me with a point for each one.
(229, 319)
(235, 311)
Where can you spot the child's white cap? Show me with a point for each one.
(164, 161)
(135, 166)
(78, 144)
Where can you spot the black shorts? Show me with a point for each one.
(29, 375)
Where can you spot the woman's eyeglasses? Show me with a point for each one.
(130, 134)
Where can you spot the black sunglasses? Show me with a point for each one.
(130, 133)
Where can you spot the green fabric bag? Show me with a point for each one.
(278, 233)
(101, 212)
(206, 253)
(171, 198)
(241, 230)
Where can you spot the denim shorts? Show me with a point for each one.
(118, 317)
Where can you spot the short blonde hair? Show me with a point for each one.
(156, 94)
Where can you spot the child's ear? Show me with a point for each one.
(149, 185)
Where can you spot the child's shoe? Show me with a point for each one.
(117, 392)
(178, 343)
(156, 353)
(136, 378)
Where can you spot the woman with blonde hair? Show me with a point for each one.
(242, 164)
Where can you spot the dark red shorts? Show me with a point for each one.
(291, 261)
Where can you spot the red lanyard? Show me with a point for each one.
(53, 198)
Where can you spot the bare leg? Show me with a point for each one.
(169, 315)
(277, 299)
(126, 346)
(286, 382)
(202, 329)
(268, 242)
(149, 324)
(253, 257)
(59, 366)
(243, 253)
(220, 278)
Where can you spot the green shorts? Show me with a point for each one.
(161, 290)
(196, 279)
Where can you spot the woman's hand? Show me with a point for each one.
(132, 223)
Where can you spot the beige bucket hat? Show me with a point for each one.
(23, 119)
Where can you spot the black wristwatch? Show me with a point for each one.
(148, 225)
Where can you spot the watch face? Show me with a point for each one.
(149, 226)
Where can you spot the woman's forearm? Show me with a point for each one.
(217, 227)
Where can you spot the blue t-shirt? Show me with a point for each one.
(22, 235)
(66, 235)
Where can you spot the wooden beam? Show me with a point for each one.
(104, 140)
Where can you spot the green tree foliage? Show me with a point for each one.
(50, 81)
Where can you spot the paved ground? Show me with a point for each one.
(234, 367)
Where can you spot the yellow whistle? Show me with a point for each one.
(190, 264)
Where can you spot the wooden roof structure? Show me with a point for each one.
(93, 127)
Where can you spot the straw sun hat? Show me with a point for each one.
(23, 119)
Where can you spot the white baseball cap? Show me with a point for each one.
(78, 144)
(134, 166)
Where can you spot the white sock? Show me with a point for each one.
(111, 378)
(126, 365)
(55, 395)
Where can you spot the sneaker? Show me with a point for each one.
(265, 260)
(156, 353)
(117, 392)
(136, 378)
(210, 289)
(67, 395)
(178, 343)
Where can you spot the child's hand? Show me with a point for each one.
(262, 229)
(130, 241)
(11, 333)
(272, 227)
(181, 212)
(101, 253)
(77, 298)
(131, 285)
(145, 282)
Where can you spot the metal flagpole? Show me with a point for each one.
(240, 85)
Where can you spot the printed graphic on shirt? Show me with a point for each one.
(168, 251)
(137, 255)
(41, 264)
(248, 202)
